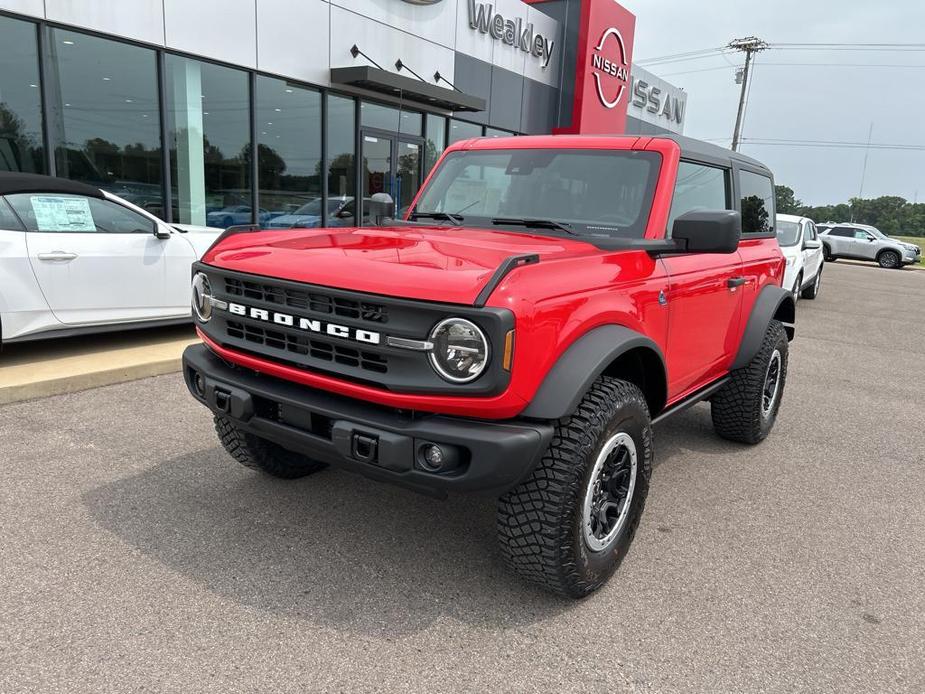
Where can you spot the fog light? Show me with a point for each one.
(199, 384)
(433, 456)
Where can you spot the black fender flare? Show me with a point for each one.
(769, 304)
(581, 364)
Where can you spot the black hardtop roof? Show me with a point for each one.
(16, 182)
(710, 153)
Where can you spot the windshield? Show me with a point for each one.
(788, 233)
(605, 193)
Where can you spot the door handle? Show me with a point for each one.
(734, 282)
(57, 256)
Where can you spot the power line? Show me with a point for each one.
(686, 54)
(832, 144)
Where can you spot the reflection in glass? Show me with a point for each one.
(208, 118)
(104, 115)
(341, 149)
(436, 140)
(497, 132)
(409, 175)
(21, 147)
(461, 130)
(288, 149)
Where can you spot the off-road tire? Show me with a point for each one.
(259, 454)
(540, 521)
(890, 260)
(812, 291)
(737, 408)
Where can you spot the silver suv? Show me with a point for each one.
(864, 242)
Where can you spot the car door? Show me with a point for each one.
(812, 251)
(98, 261)
(865, 244)
(704, 290)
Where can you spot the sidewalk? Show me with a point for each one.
(38, 369)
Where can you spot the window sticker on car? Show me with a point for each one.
(62, 214)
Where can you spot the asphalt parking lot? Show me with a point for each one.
(136, 556)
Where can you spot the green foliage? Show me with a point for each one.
(890, 214)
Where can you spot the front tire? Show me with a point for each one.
(795, 292)
(570, 524)
(812, 291)
(745, 409)
(263, 455)
(889, 260)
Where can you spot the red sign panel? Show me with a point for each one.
(602, 75)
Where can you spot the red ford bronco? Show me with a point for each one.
(543, 302)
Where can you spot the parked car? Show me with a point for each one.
(341, 213)
(517, 335)
(236, 214)
(803, 253)
(76, 259)
(864, 242)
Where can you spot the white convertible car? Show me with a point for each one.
(75, 259)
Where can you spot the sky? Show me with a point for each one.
(802, 102)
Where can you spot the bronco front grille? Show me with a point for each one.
(307, 300)
(305, 345)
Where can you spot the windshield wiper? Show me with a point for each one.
(535, 224)
(442, 216)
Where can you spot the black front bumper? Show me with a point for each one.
(379, 442)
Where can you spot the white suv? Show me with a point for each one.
(800, 244)
(75, 259)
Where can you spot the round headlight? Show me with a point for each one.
(202, 297)
(460, 352)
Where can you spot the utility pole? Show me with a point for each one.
(870, 135)
(749, 45)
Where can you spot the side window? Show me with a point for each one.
(809, 232)
(698, 187)
(757, 199)
(862, 235)
(8, 220)
(841, 231)
(58, 213)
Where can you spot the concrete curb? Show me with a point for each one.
(85, 381)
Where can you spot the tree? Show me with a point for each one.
(786, 200)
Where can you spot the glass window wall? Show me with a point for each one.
(288, 153)
(435, 142)
(208, 120)
(341, 162)
(104, 115)
(21, 145)
(461, 130)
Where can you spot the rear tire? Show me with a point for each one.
(568, 526)
(889, 260)
(827, 254)
(259, 454)
(745, 409)
(812, 291)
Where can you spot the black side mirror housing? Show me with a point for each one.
(708, 231)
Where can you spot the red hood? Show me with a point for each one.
(448, 264)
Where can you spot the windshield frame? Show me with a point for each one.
(578, 230)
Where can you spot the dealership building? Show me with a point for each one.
(164, 102)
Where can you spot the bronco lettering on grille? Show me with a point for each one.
(308, 324)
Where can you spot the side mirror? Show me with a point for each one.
(379, 208)
(708, 231)
(161, 233)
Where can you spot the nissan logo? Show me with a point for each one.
(612, 68)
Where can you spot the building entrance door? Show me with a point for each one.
(391, 164)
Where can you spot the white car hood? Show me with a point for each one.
(199, 237)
